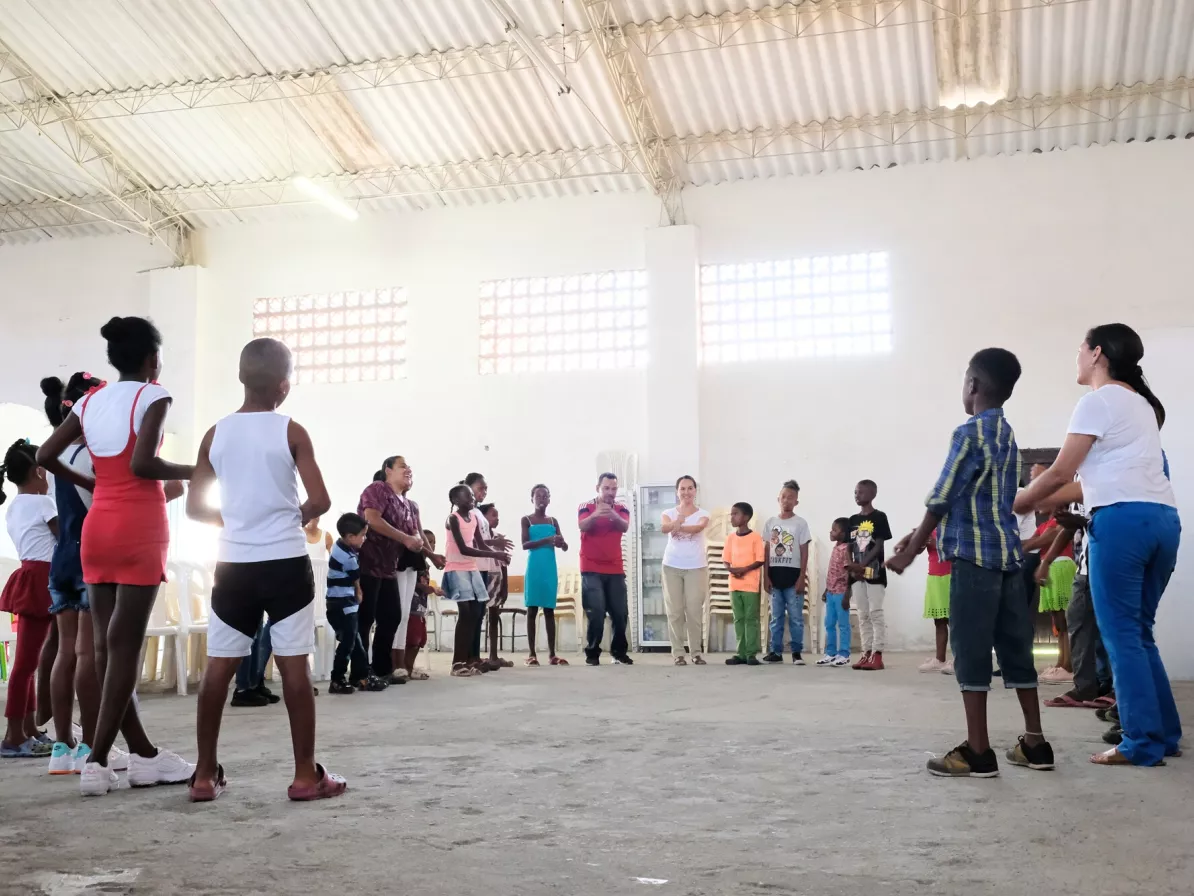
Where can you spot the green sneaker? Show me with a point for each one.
(963, 762)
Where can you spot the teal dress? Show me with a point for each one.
(542, 581)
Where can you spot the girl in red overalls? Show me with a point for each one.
(33, 526)
(125, 537)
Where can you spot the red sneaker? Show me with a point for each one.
(876, 662)
(864, 661)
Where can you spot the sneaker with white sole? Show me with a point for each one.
(164, 768)
(82, 754)
(97, 780)
(841, 661)
(932, 664)
(948, 668)
(62, 759)
(826, 660)
(118, 760)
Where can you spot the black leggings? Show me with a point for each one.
(468, 623)
(379, 604)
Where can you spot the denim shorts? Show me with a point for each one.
(68, 596)
(987, 609)
(464, 585)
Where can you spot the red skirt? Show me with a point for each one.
(27, 591)
(125, 545)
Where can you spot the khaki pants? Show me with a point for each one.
(684, 598)
(872, 630)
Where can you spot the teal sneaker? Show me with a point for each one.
(83, 753)
(62, 759)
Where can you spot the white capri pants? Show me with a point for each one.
(407, 579)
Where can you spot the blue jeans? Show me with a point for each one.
(348, 638)
(1132, 553)
(786, 600)
(837, 626)
(987, 609)
(251, 671)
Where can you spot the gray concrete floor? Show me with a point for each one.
(583, 781)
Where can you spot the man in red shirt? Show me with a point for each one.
(603, 522)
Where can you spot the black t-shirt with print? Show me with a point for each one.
(865, 528)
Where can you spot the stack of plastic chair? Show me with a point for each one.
(193, 596)
(568, 605)
(7, 636)
(719, 604)
(166, 630)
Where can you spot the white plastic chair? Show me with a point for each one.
(325, 635)
(170, 631)
(193, 598)
(7, 636)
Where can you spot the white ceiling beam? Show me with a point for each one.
(1019, 117)
(790, 20)
(131, 203)
(637, 108)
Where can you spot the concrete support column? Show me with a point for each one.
(174, 309)
(673, 406)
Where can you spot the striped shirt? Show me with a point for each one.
(974, 495)
(344, 570)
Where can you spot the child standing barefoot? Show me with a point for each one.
(33, 527)
(837, 597)
(540, 537)
(937, 608)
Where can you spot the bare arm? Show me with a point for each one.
(52, 525)
(145, 462)
(695, 528)
(202, 479)
(378, 524)
(913, 544)
(802, 582)
(527, 544)
(50, 452)
(1073, 452)
(470, 550)
(318, 500)
(1060, 543)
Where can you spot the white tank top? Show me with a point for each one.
(259, 497)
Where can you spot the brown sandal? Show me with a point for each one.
(680, 661)
(699, 660)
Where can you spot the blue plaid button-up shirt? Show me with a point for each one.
(974, 494)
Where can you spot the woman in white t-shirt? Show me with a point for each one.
(685, 577)
(32, 522)
(1114, 445)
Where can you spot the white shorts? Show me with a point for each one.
(283, 590)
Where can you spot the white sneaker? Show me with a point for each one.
(82, 754)
(118, 760)
(96, 780)
(948, 668)
(841, 661)
(932, 664)
(76, 731)
(826, 660)
(62, 760)
(164, 768)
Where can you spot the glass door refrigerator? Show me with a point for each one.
(652, 616)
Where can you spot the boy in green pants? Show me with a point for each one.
(743, 556)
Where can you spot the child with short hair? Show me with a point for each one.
(32, 521)
(970, 507)
(343, 605)
(498, 588)
(837, 597)
(462, 580)
(541, 536)
(785, 572)
(744, 555)
(869, 529)
(257, 457)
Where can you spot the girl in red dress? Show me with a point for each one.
(124, 542)
(33, 526)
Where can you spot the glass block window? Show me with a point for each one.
(339, 337)
(831, 306)
(559, 324)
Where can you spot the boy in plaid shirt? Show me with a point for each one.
(971, 509)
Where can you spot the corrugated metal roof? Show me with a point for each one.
(703, 77)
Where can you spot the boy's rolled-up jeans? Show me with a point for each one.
(987, 609)
(786, 600)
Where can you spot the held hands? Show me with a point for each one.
(438, 561)
(1068, 520)
(560, 543)
(902, 544)
(1042, 573)
(898, 562)
(856, 570)
(502, 543)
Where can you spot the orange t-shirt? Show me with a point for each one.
(743, 550)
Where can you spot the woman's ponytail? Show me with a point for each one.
(54, 390)
(1123, 348)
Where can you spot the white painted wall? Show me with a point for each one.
(1022, 251)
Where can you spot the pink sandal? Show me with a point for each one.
(207, 791)
(1069, 701)
(558, 661)
(326, 787)
(531, 661)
